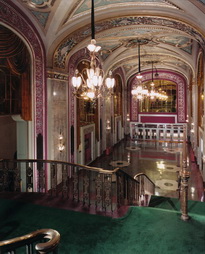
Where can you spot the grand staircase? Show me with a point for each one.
(103, 190)
(71, 186)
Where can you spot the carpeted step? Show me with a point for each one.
(142, 230)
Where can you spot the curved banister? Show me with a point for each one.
(100, 170)
(129, 176)
(147, 186)
(54, 239)
(52, 235)
(142, 174)
(105, 189)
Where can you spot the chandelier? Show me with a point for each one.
(90, 84)
(141, 91)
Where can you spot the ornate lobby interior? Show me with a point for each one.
(102, 102)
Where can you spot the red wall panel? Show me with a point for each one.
(157, 119)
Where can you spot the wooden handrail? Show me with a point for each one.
(51, 245)
(100, 170)
(142, 174)
(81, 183)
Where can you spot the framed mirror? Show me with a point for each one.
(157, 104)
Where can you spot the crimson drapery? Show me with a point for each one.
(10, 43)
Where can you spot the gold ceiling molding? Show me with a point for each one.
(104, 8)
(168, 2)
(198, 4)
(73, 9)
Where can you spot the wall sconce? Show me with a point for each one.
(192, 127)
(108, 127)
(128, 157)
(61, 146)
(128, 117)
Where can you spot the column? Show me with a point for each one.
(184, 174)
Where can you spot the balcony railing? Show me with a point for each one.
(105, 190)
(158, 132)
(35, 240)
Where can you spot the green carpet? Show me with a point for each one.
(144, 230)
(194, 207)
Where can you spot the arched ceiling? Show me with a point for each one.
(172, 29)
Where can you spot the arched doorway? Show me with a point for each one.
(14, 20)
(15, 94)
(27, 131)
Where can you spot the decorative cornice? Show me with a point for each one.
(57, 76)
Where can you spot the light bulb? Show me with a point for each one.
(139, 76)
(90, 95)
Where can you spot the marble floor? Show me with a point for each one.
(160, 161)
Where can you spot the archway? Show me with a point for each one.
(19, 24)
(176, 78)
(23, 28)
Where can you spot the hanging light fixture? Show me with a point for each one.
(152, 83)
(152, 93)
(139, 92)
(159, 94)
(139, 76)
(91, 85)
(61, 145)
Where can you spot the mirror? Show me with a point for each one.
(157, 105)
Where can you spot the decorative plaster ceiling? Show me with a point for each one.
(171, 27)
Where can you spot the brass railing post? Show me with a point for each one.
(184, 174)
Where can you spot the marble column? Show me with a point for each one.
(195, 117)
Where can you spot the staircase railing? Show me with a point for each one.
(32, 241)
(103, 189)
(146, 187)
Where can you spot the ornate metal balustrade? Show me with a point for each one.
(27, 243)
(104, 189)
(162, 132)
